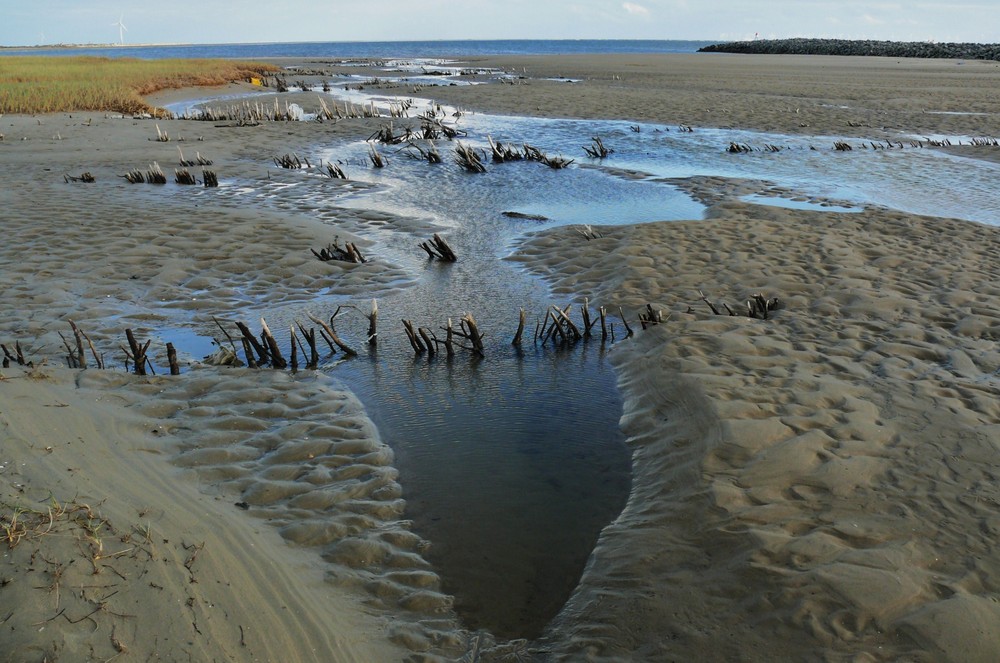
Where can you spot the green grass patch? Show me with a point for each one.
(54, 84)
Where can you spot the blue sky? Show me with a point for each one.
(90, 21)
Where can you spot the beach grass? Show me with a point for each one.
(38, 84)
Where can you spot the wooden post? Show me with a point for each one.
(248, 351)
(520, 328)
(333, 335)
(175, 369)
(428, 343)
(138, 353)
(628, 330)
(373, 324)
(472, 330)
(449, 342)
(310, 336)
(277, 361)
(261, 351)
(295, 352)
(81, 357)
(604, 327)
(415, 342)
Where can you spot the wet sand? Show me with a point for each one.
(818, 485)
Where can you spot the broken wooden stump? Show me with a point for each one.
(191, 163)
(136, 353)
(335, 172)
(651, 317)
(175, 368)
(469, 159)
(377, 160)
(438, 248)
(597, 150)
(86, 178)
(331, 336)
(373, 324)
(503, 153)
(291, 162)
(757, 306)
(333, 251)
(17, 357)
(209, 179)
(470, 331)
(430, 154)
(184, 176)
(520, 328)
(534, 154)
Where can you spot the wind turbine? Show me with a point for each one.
(121, 29)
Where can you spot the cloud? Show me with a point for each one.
(634, 9)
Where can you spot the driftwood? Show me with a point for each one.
(470, 331)
(335, 172)
(373, 324)
(526, 217)
(378, 161)
(438, 248)
(197, 161)
(757, 306)
(651, 317)
(17, 357)
(332, 337)
(534, 154)
(431, 154)
(277, 360)
(333, 251)
(469, 159)
(137, 354)
(431, 128)
(291, 162)
(503, 153)
(175, 368)
(415, 341)
(86, 178)
(597, 150)
(520, 328)
(152, 176)
(387, 136)
(184, 176)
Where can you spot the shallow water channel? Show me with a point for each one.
(511, 465)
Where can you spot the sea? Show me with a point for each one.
(372, 49)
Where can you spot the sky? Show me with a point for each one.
(93, 21)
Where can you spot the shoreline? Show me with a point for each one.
(799, 483)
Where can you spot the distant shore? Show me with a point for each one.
(869, 47)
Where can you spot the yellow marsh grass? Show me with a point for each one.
(54, 84)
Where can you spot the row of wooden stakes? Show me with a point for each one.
(557, 327)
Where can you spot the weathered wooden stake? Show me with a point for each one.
(373, 324)
(520, 328)
(295, 352)
(261, 351)
(277, 361)
(415, 342)
(328, 328)
(628, 330)
(175, 368)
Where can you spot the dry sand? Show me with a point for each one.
(817, 486)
